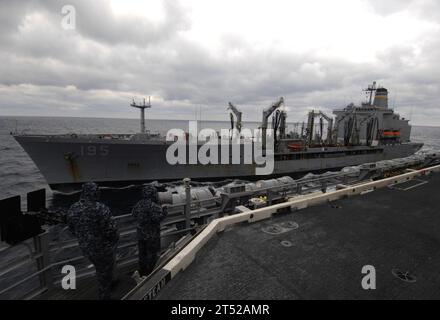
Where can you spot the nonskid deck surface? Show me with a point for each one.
(88, 290)
(393, 229)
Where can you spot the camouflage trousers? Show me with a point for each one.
(104, 265)
(149, 252)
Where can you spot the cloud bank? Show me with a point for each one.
(197, 55)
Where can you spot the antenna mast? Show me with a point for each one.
(370, 90)
(142, 107)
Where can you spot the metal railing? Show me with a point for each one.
(36, 267)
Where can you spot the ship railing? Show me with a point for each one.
(46, 253)
(35, 257)
(103, 136)
(39, 267)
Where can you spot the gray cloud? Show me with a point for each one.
(426, 9)
(96, 69)
(389, 6)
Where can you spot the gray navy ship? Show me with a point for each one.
(361, 134)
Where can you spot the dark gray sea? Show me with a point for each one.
(19, 175)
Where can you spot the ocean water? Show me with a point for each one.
(19, 175)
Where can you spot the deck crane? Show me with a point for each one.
(237, 114)
(352, 114)
(266, 114)
(310, 126)
(372, 124)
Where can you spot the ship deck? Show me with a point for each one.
(395, 228)
(88, 289)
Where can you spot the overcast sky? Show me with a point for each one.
(194, 56)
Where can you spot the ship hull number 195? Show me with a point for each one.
(93, 150)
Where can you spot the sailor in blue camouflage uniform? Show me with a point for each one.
(148, 215)
(91, 222)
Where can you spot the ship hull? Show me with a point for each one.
(66, 163)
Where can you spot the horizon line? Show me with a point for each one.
(90, 117)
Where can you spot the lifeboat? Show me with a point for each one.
(391, 134)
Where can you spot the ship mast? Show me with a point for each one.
(142, 107)
(370, 90)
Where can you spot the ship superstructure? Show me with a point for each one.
(358, 134)
(373, 123)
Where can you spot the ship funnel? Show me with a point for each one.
(381, 98)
